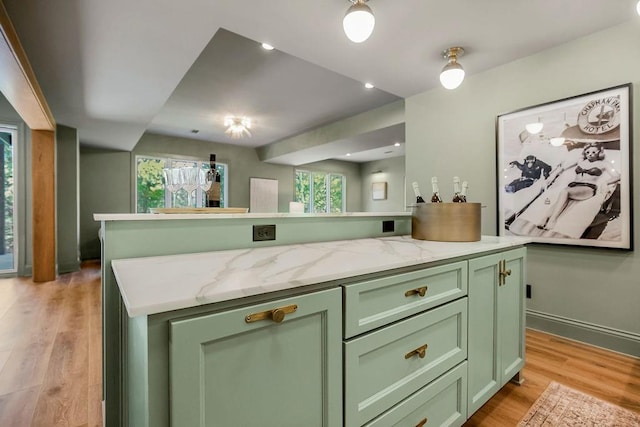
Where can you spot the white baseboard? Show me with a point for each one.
(590, 333)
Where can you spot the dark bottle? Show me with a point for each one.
(435, 198)
(463, 193)
(456, 190)
(416, 190)
(213, 194)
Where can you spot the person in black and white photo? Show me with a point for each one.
(532, 169)
(592, 174)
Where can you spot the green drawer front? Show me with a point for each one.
(378, 371)
(442, 403)
(377, 302)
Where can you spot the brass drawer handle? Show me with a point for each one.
(504, 272)
(423, 422)
(277, 314)
(420, 352)
(420, 291)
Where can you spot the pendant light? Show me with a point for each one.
(534, 127)
(452, 74)
(359, 21)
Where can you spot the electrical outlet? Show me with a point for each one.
(528, 291)
(264, 232)
(388, 226)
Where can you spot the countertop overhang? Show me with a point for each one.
(151, 285)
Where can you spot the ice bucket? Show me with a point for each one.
(446, 222)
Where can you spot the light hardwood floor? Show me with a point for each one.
(604, 374)
(50, 360)
(50, 350)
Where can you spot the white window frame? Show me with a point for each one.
(13, 130)
(328, 185)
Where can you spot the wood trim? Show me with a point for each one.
(18, 82)
(43, 205)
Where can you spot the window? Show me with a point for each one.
(320, 191)
(8, 223)
(151, 191)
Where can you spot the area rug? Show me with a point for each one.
(561, 406)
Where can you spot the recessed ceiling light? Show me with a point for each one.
(267, 46)
(397, 144)
(348, 154)
(369, 86)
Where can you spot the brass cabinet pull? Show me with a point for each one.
(422, 422)
(420, 352)
(420, 291)
(277, 314)
(504, 272)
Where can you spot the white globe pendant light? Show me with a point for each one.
(534, 127)
(452, 74)
(359, 21)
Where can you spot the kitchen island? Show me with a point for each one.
(206, 332)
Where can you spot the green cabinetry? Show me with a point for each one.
(422, 345)
(496, 323)
(228, 369)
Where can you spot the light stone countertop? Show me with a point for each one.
(157, 284)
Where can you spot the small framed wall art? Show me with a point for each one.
(379, 190)
(564, 171)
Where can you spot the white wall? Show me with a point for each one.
(588, 294)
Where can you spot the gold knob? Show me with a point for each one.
(507, 272)
(422, 422)
(277, 315)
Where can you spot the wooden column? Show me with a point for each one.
(43, 205)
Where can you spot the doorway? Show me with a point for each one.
(8, 240)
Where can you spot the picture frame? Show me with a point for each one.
(569, 183)
(379, 190)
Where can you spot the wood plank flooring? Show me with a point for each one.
(604, 374)
(50, 360)
(50, 351)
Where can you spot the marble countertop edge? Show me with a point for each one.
(164, 217)
(148, 285)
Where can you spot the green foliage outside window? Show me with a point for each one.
(8, 194)
(320, 192)
(303, 189)
(151, 191)
(336, 193)
(150, 184)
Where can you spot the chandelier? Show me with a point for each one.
(237, 127)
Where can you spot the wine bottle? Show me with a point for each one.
(435, 198)
(456, 190)
(416, 190)
(213, 194)
(463, 192)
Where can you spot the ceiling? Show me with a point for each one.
(115, 69)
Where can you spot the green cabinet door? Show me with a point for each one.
(496, 323)
(226, 371)
(511, 315)
(483, 375)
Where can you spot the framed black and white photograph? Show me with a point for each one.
(564, 171)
